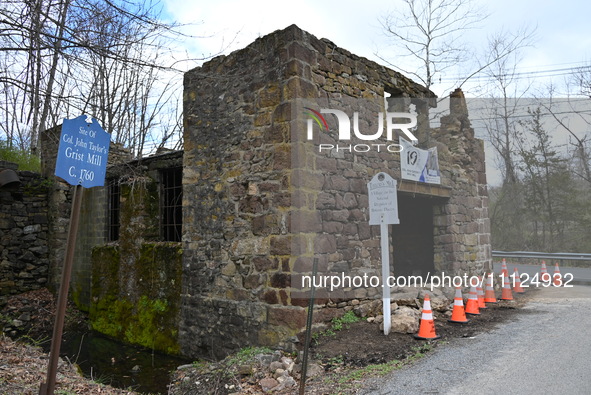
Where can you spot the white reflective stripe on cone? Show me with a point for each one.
(427, 316)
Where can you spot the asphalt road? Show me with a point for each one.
(545, 350)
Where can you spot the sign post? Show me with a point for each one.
(383, 211)
(81, 161)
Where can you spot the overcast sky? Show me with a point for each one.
(562, 38)
(562, 32)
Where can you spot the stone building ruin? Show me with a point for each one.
(207, 246)
(260, 202)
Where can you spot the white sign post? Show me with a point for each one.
(383, 211)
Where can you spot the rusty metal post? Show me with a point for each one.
(48, 387)
(308, 329)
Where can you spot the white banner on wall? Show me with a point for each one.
(418, 164)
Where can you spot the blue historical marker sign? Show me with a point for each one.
(83, 152)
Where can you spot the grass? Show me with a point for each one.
(337, 324)
(24, 159)
(247, 354)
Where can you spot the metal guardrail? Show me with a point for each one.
(543, 255)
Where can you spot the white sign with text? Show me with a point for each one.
(383, 211)
(383, 200)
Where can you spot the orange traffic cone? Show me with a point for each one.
(489, 292)
(557, 276)
(517, 282)
(544, 275)
(427, 326)
(458, 315)
(504, 269)
(506, 294)
(480, 294)
(472, 303)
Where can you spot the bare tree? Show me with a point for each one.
(429, 33)
(580, 81)
(500, 71)
(111, 60)
(569, 113)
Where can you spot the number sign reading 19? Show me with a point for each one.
(83, 152)
(383, 201)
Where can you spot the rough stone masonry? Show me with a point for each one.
(260, 203)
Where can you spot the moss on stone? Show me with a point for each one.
(141, 304)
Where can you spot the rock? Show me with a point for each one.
(440, 303)
(136, 368)
(287, 381)
(31, 229)
(401, 290)
(245, 370)
(405, 320)
(264, 359)
(371, 319)
(406, 310)
(277, 355)
(405, 324)
(437, 292)
(229, 269)
(362, 310)
(267, 384)
(314, 370)
(288, 364)
(279, 372)
(275, 365)
(448, 292)
(379, 319)
(25, 317)
(405, 298)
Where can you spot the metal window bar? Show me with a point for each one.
(113, 210)
(171, 204)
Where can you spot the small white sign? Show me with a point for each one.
(419, 165)
(383, 200)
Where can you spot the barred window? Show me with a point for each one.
(171, 204)
(114, 208)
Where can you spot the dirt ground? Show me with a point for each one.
(364, 344)
(24, 367)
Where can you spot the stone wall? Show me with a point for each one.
(462, 225)
(261, 203)
(24, 260)
(134, 282)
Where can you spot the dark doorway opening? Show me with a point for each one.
(412, 239)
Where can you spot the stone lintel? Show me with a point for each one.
(429, 190)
